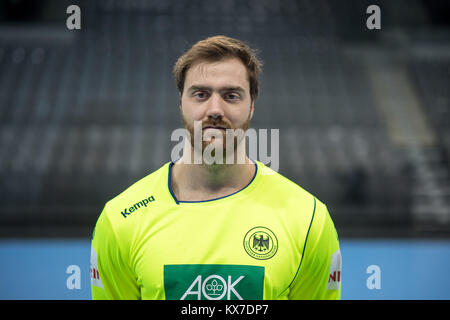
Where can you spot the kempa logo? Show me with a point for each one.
(213, 282)
(213, 287)
(137, 206)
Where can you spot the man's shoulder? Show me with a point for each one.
(140, 193)
(300, 206)
(281, 185)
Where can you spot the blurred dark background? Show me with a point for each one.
(363, 114)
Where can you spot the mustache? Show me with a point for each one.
(218, 124)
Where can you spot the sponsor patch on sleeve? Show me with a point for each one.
(95, 275)
(334, 279)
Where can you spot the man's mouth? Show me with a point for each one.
(214, 127)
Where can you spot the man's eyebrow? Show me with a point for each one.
(206, 88)
(195, 88)
(237, 89)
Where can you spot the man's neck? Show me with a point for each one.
(200, 182)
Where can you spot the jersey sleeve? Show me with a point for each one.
(111, 275)
(319, 273)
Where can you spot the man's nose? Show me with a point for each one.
(216, 107)
(215, 117)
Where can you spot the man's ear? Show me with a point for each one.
(252, 109)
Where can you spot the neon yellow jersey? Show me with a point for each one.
(270, 240)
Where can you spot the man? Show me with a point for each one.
(227, 230)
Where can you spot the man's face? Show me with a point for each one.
(218, 95)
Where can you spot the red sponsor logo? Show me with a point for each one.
(335, 276)
(95, 274)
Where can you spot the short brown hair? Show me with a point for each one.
(218, 48)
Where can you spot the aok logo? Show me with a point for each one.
(213, 287)
(213, 282)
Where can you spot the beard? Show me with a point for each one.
(226, 142)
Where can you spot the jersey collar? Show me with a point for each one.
(169, 185)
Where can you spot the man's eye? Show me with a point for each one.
(232, 96)
(200, 95)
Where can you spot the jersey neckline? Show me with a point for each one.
(169, 185)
